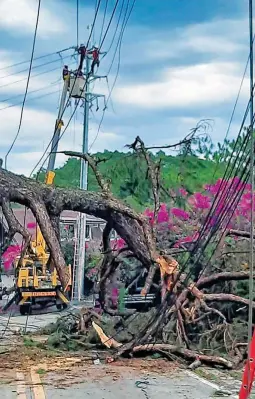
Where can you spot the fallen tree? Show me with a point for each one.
(187, 311)
(47, 203)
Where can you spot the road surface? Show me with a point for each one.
(38, 385)
(41, 381)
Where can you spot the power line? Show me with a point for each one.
(107, 29)
(30, 99)
(102, 28)
(234, 108)
(36, 58)
(92, 28)
(28, 79)
(94, 21)
(33, 76)
(109, 24)
(119, 44)
(251, 284)
(173, 300)
(35, 67)
(117, 25)
(46, 149)
(228, 172)
(30, 92)
(77, 23)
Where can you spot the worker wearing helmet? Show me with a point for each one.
(65, 72)
(82, 51)
(95, 57)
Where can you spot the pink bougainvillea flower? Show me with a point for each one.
(118, 244)
(31, 225)
(180, 213)
(191, 238)
(200, 201)
(183, 192)
(163, 215)
(115, 295)
(214, 188)
(10, 255)
(92, 272)
(150, 215)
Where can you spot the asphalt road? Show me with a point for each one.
(36, 385)
(179, 386)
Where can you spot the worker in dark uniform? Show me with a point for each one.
(79, 73)
(65, 72)
(82, 51)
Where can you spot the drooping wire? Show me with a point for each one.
(171, 300)
(117, 25)
(29, 92)
(222, 188)
(31, 77)
(94, 22)
(31, 99)
(28, 79)
(34, 67)
(234, 109)
(252, 141)
(35, 59)
(109, 24)
(102, 28)
(77, 22)
(118, 46)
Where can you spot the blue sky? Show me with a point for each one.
(181, 60)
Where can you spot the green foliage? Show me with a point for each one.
(121, 299)
(68, 251)
(127, 173)
(41, 371)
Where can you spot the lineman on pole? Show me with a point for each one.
(95, 57)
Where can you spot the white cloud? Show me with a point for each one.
(21, 15)
(200, 85)
(36, 133)
(191, 86)
(219, 38)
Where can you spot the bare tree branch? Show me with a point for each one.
(93, 164)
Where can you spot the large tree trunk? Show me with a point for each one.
(47, 203)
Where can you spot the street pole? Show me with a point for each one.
(83, 186)
(84, 164)
(80, 249)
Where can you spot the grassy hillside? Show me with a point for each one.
(127, 173)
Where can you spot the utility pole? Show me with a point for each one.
(80, 251)
(83, 186)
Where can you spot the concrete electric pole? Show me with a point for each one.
(80, 250)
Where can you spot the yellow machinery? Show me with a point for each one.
(37, 281)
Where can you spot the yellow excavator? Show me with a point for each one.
(37, 281)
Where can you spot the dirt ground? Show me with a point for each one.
(68, 371)
(87, 363)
